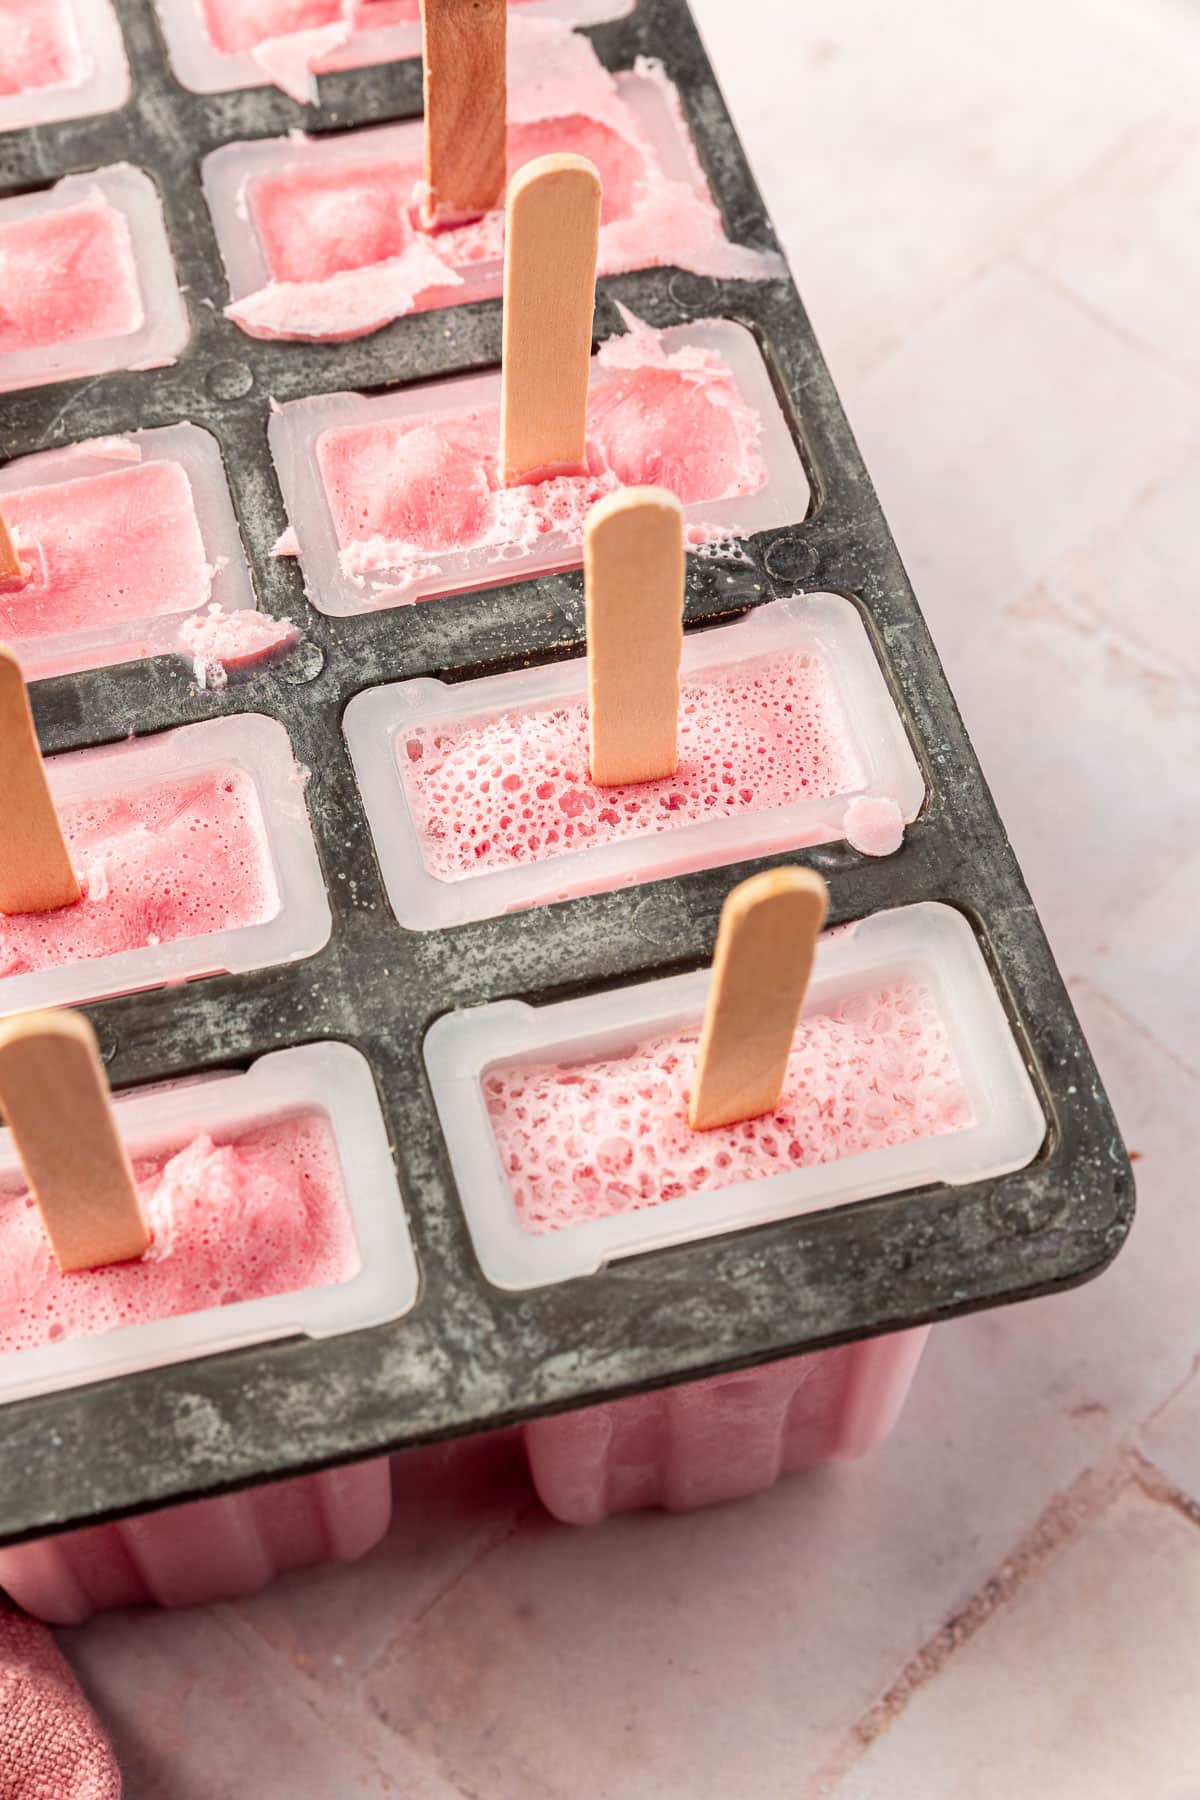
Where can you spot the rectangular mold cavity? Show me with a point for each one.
(379, 31)
(172, 478)
(312, 192)
(286, 891)
(330, 1081)
(78, 44)
(913, 960)
(531, 529)
(861, 750)
(114, 245)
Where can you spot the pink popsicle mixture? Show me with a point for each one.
(593, 1140)
(488, 793)
(343, 243)
(39, 46)
(240, 25)
(180, 859)
(264, 1214)
(103, 549)
(67, 276)
(406, 490)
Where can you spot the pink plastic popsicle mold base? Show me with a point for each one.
(120, 539)
(567, 1125)
(219, 44)
(209, 1550)
(397, 497)
(89, 280)
(480, 799)
(726, 1438)
(59, 59)
(195, 856)
(322, 238)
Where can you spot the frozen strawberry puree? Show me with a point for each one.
(342, 242)
(180, 859)
(264, 1214)
(219, 642)
(67, 276)
(593, 1140)
(487, 793)
(39, 46)
(408, 489)
(101, 549)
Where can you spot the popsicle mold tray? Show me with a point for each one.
(470, 1352)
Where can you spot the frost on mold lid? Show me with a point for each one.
(119, 539)
(321, 237)
(218, 44)
(397, 497)
(567, 1124)
(274, 1210)
(480, 800)
(195, 856)
(59, 59)
(88, 279)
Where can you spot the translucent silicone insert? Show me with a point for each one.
(219, 44)
(396, 498)
(480, 802)
(59, 59)
(341, 1182)
(121, 538)
(321, 236)
(205, 824)
(90, 280)
(567, 1125)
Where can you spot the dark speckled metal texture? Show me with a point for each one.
(468, 1356)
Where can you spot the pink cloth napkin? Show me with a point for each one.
(51, 1744)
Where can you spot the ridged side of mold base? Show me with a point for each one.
(209, 1550)
(721, 1439)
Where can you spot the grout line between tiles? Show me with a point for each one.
(1066, 1518)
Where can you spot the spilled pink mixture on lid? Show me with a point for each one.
(39, 46)
(177, 859)
(516, 788)
(265, 1213)
(344, 246)
(67, 276)
(405, 490)
(101, 550)
(594, 1139)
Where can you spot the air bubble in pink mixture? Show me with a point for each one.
(593, 1140)
(181, 858)
(492, 792)
(265, 1213)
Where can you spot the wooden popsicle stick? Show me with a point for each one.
(35, 869)
(765, 948)
(553, 228)
(10, 562)
(464, 43)
(634, 580)
(55, 1097)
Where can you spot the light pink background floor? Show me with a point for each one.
(993, 212)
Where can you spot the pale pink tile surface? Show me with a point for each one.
(1083, 1687)
(992, 212)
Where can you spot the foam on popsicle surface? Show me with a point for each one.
(336, 246)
